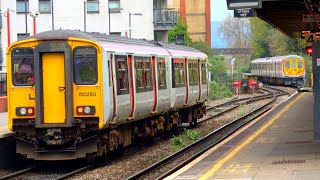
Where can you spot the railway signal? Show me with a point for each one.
(237, 84)
(252, 84)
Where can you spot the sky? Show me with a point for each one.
(218, 12)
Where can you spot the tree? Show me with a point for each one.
(236, 31)
(260, 30)
(180, 28)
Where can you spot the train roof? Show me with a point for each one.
(123, 44)
(277, 58)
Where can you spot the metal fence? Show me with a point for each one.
(3, 84)
(165, 17)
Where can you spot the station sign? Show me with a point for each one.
(243, 13)
(305, 32)
(310, 38)
(306, 18)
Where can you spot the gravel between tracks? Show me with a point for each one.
(128, 165)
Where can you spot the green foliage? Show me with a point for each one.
(244, 69)
(218, 91)
(188, 136)
(217, 67)
(268, 41)
(203, 47)
(180, 28)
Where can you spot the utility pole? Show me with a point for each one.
(52, 15)
(85, 16)
(26, 19)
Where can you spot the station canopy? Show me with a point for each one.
(289, 16)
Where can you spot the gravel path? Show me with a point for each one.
(128, 165)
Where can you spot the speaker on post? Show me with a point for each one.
(180, 39)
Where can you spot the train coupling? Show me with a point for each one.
(54, 137)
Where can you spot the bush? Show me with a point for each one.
(218, 91)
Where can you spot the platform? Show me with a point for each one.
(4, 131)
(281, 148)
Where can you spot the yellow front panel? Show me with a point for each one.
(286, 67)
(53, 87)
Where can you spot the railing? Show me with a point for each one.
(3, 84)
(165, 17)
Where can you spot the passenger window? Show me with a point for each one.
(122, 74)
(204, 73)
(287, 64)
(161, 74)
(85, 65)
(179, 73)
(294, 64)
(143, 74)
(300, 64)
(193, 73)
(22, 67)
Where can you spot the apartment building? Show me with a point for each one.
(196, 13)
(148, 19)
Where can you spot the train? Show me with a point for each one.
(281, 70)
(74, 94)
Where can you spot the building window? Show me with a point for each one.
(143, 74)
(45, 6)
(122, 74)
(21, 36)
(179, 73)
(85, 65)
(115, 33)
(161, 74)
(114, 6)
(93, 6)
(21, 6)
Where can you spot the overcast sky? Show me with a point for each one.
(219, 10)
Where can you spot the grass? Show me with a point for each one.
(187, 137)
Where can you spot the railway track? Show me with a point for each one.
(40, 173)
(34, 173)
(179, 159)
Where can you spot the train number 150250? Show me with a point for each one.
(87, 94)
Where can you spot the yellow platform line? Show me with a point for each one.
(234, 152)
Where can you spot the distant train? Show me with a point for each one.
(282, 70)
(74, 95)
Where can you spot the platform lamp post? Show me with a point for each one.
(7, 15)
(132, 14)
(34, 16)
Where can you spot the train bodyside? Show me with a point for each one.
(286, 70)
(112, 90)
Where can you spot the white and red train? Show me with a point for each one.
(74, 95)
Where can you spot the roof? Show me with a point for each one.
(277, 58)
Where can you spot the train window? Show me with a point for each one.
(287, 64)
(179, 73)
(143, 74)
(193, 73)
(161, 73)
(300, 64)
(122, 74)
(204, 73)
(294, 64)
(22, 67)
(85, 65)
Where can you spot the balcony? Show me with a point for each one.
(164, 19)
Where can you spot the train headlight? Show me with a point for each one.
(86, 110)
(25, 111)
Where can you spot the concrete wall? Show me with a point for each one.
(69, 14)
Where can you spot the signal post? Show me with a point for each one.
(316, 89)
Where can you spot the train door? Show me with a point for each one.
(286, 67)
(300, 67)
(53, 88)
(294, 67)
(53, 67)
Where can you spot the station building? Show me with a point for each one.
(196, 13)
(149, 19)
